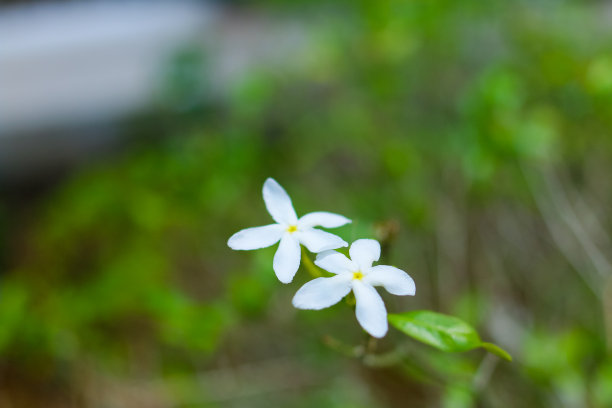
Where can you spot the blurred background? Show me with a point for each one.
(472, 138)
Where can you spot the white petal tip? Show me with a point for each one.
(231, 242)
(255, 238)
(305, 305)
(284, 277)
(378, 335)
(271, 183)
(298, 304)
(344, 222)
(409, 292)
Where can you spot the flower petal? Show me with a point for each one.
(323, 218)
(278, 203)
(287, 258)
(256, 237)
(364, 252)
(335, 262)
(370, 309)
(396, 281)
(322, 292)
(317, 241)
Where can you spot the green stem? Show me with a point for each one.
(310, 267)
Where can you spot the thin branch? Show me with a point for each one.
(566, 210)
(559, 236)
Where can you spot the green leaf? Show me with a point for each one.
(446, 333)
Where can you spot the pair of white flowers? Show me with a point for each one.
(356, 274)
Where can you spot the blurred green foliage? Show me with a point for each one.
(472, 138)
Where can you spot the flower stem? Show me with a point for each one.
(310, 267)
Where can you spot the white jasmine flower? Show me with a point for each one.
(290, 231)
(356, 274)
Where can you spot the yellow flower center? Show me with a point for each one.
(358, 275)
(292, 229)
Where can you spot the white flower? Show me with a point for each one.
(290, 231)
(359, 276)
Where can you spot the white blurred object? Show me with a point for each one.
(71, 61)
(70, 70)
